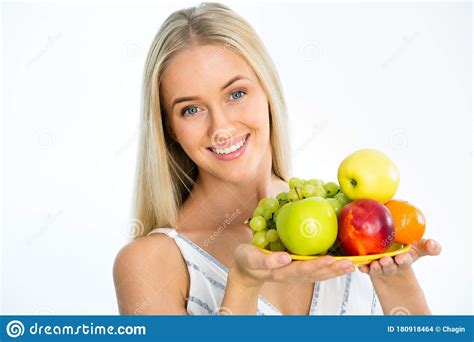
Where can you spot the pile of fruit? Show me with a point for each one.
(355, 217)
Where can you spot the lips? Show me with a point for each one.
(231, 152)
(229, 143)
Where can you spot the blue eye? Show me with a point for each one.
(237, 95)
(190, 110)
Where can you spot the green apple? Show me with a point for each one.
(280, 210)
(308, 226)
(368, 173)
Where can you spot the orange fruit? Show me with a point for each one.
(409, 221)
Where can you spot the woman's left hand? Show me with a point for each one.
(389, 266)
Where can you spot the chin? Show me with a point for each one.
(240, 176)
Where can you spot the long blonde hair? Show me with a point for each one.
(165, 175)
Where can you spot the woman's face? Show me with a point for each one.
(217, 111)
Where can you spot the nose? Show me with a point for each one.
(222, 127)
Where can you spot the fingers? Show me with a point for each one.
(432, 247)
(389, 267)
(385, 266)
(403, 260)
(334, 270)
(322, 268)
(375, 269)
(426, 247)
(283, 269)
(250, 257)
(275, 260)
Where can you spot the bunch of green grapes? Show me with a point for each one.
(300, 188)
(263, 220)
(263, 225)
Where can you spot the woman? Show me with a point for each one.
(213, 144)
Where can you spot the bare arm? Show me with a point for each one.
(150, 277)
(401, 294)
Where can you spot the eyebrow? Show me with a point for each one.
(192, 98)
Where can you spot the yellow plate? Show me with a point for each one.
(359, 260)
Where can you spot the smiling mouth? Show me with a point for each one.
(239, 144)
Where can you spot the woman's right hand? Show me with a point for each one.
(254, 268)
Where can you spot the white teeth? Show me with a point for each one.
(228, 150)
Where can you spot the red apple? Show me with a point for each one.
(365, 226)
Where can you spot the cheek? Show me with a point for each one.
(189, 136)
(257, 114)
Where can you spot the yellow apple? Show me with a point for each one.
(368, 173)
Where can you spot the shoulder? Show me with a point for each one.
(149, 249)
(151, 277)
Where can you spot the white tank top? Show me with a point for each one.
(350, 294)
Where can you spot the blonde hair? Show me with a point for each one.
(165, 175)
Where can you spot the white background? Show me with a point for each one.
(396, 77)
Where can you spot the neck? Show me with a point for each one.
(221, 197)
